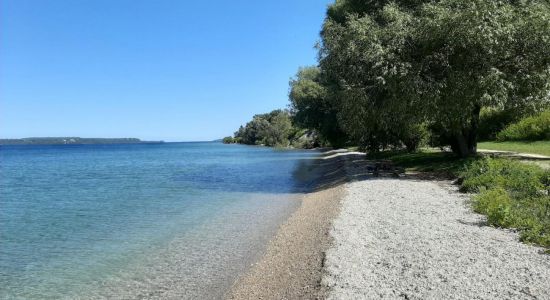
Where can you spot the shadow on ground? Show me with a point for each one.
(335, 167)
(338, 167)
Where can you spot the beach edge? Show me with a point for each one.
(292, 266)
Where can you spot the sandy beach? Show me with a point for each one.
(356, 237)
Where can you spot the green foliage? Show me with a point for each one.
(305, 139)
(514, 176)
(359, 57)
(228, 140)
(440, 163)
(275, 129)
(492, 121)
(528, 129)
(496, 204)
(530, 215)
(415, 136)
(513, 195)
(312, 106)
(389, 64)
(271, 129)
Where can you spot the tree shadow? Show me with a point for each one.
(299, 172)
(334, 169)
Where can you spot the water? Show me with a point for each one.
(176, 220)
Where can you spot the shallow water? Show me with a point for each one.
(176, 220)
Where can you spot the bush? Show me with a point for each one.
(514, 176)
(512, 195)
(533, 128)
(497, 205)
(415, 136)
(492, 121)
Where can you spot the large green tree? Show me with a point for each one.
(313, 107)
(392, 65)
(480, 53)
(362, 55)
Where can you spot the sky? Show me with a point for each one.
(177, 70)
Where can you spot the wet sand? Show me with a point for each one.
(293, 263)
(292, 266)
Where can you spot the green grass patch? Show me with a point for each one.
(538, 147)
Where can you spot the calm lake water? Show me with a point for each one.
(175, 220)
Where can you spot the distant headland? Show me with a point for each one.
(73, 141)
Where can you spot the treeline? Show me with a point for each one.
(400, 73)
(72, 141)
(274, 129)
(408, 73)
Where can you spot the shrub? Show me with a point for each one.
(497, 205)
(492, 121)
(514, 176)
(528, 129)
(415, 136)
(511, 194)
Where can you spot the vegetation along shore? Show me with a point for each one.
(420, 83)
(363, 235)
(453, 98)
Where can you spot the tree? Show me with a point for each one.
(278, 132)
(271, 129)
(474, 54)
(361, 56)
(396, 63)
(312, 106)
(228, 140)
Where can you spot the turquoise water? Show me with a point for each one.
(175, 220)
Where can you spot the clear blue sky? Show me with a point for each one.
(174, 70)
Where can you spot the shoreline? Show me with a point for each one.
(292, 265)
(388, 238)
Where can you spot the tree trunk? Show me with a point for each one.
(472, 138)
(466, 141)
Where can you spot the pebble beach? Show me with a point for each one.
(359, 237)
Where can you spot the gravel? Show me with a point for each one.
(292, 267)
(404, 239)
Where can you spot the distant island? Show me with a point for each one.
(73, 141)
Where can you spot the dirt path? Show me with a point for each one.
(512, 154)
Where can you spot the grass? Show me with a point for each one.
(510, 193)
(538, 147)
